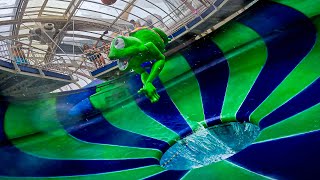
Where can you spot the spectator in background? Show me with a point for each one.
(149, 23)
(190, 6)
(125, 33)
(99, 56)
(136, 24)
(131, 28)
(105, 48)
(18, 54)
(93, 55)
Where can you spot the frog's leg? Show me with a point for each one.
(158, 65)
(148, 89)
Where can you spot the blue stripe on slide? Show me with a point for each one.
(289, 36)
(295, 105)
(82, 121)
(212, 72)
(164, 111)
(68, 100)
(19, 164)
(168, 175)
(295, 157)
(98, 130)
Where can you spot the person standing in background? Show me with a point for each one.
(190, 6)
(18, 54)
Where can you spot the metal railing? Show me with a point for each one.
(94, 55)
(98, 58)
(25, 55)
(184, 13)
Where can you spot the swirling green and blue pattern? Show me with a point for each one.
(262, 68)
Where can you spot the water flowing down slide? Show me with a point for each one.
(240, 103)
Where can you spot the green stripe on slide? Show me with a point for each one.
(183, 90)
(223, 170)
(131, 118)
(310, 8)
(306, 72)
(303, 122)
(138, 173)
(33, 128)
(120, 109)
(246, 53)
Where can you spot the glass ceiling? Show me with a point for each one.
(167, 14)
(77, 22)
(8, 11)
(83, 21)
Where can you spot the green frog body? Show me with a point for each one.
(141, 46)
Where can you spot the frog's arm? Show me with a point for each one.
(156, 68)
(142, 72)
(148, 89)
(158, 65)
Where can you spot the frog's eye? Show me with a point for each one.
(119, 43)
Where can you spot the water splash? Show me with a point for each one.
(210, 145)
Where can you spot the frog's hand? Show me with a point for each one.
(158, 65)
(150, 91)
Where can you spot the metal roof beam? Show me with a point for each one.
(124, 11)
(72, 8)
(69, 13)
(81, 36)
(19, 15)
(42, 7)
(41, 19)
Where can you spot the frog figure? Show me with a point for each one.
(142, 45)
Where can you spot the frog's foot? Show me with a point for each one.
(150, 91)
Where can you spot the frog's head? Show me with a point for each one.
(123, 49)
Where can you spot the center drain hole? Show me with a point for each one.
(209, 145)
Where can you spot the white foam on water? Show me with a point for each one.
(211, 145)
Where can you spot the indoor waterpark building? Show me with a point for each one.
(159, 89)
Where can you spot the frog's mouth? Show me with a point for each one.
(123, 63)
